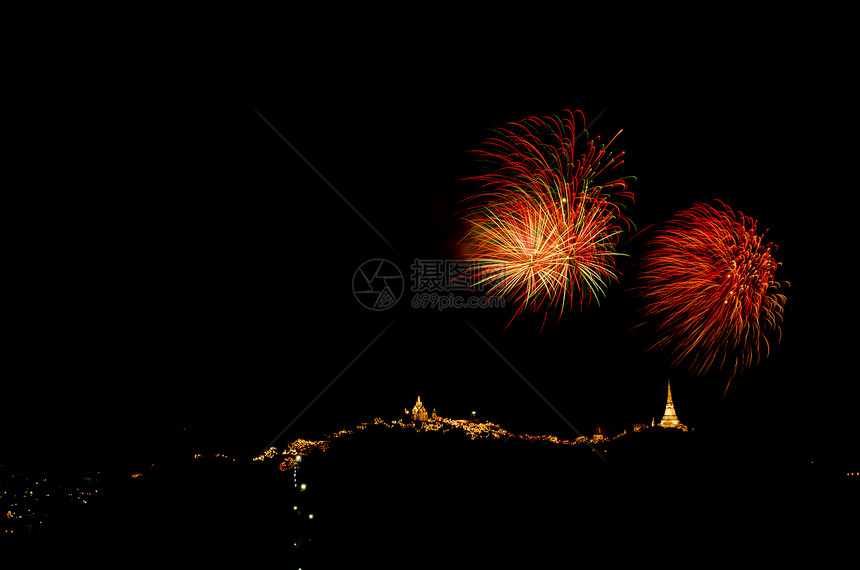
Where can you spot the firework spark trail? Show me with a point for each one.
(544, 232)
(708, 280)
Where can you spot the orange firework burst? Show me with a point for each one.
(709, 284)
(544, 232)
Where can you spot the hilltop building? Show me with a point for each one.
(670, 419)
(419, 412)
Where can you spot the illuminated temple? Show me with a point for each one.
(419, 412)
(670, 419)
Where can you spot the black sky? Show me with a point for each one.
(179, 265)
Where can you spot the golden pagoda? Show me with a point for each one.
(670, 420)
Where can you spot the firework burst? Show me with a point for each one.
(709, 284)
(544, 230)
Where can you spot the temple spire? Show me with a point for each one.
(670, 420)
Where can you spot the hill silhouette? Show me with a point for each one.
(384, 496)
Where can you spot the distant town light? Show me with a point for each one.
(303, 486)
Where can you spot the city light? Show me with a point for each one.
(295, 451)
(474, 429)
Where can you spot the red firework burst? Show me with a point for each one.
(544, 232)
(709, 284)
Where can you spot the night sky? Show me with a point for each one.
(183, 270)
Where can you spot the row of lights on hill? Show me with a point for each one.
(302, 486)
